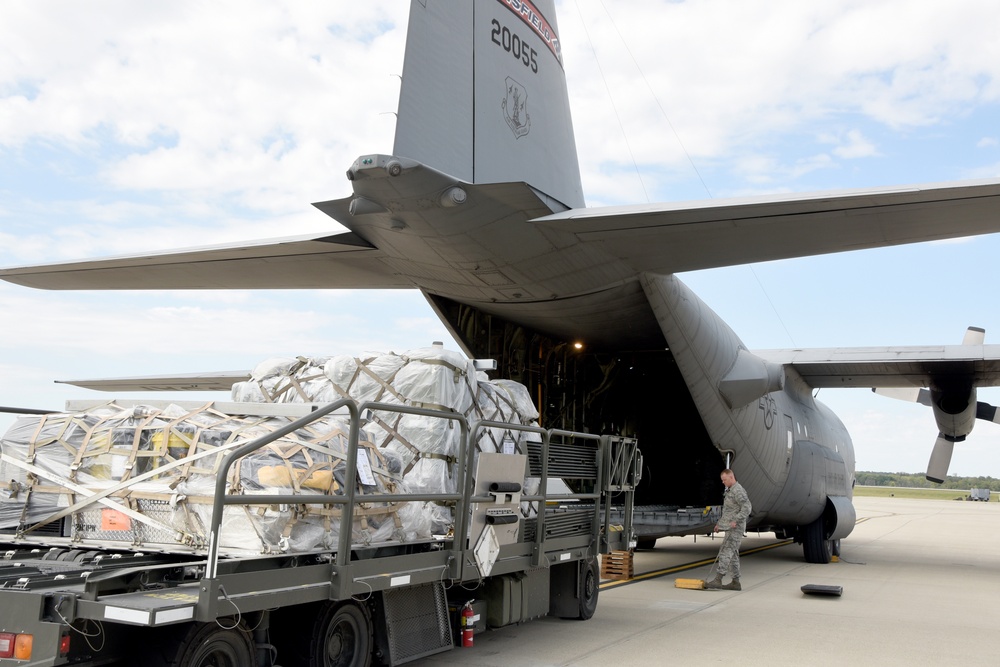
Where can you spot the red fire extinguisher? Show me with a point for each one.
(468, 625)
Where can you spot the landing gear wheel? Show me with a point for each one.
(209, 645)
(815, 546)
(835, 548)
(590, 586)
(341, 637)
(645, 543)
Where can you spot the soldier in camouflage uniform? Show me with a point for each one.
(735, 512)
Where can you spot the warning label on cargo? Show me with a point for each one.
(115, 520)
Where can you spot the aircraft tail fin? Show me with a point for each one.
(484, 96)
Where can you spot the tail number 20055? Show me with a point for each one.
(512, 43)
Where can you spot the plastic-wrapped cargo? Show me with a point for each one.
(368, 377)
(430, 377)
(156, 470)
(285, 380)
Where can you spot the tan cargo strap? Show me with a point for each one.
(287, 374)
(124, 484)
(63, 422)
(295, 383)
(75, 488)
(384, 383)
(139, 431)
(393, 434)
(418, 454)
(240, 432)
(459, 371)
(504, 408)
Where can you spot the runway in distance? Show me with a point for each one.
(480, 207)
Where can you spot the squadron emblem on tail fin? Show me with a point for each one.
(515, 108)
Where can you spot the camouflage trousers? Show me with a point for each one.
(729, 553)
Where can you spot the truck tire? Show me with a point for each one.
(590, 586)
(208, 645)
(341, 636)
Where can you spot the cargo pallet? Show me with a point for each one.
(617, 565)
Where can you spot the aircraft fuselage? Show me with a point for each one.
(476, 255)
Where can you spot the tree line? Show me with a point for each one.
(918, 481)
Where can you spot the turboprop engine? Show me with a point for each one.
(955, 407)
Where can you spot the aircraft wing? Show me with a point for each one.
(687, 236)
(871, 367)
(300, 262)
(819, 367)
(217, 381)
(660, 238)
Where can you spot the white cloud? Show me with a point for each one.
(854, 145)
(733, 76)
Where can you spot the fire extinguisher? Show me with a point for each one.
(468, 625)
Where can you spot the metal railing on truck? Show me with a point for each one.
(543, 460)
(455, 562)
(541, 450)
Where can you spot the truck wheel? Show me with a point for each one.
(209, 645)
(341, 637)
(590, 586)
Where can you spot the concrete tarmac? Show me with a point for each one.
(920, 578)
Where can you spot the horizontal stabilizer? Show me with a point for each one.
(25, 411)
(750, 378)
(220, 381)
(687, 236)
(339, 261)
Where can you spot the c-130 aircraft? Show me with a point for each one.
(481, 208)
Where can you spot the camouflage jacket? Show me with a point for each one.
(736, 507)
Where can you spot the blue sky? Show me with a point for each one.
(126, 126)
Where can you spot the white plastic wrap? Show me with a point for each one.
(521, 398)
(286, 380)
(162, 465)
(430, 377)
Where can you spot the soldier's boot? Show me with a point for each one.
(714, 583)
(733, 585)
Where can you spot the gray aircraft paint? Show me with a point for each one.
(766, 445)
(485, 106)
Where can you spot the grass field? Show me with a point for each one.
(906, 492)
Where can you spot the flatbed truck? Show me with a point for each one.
(64, 601)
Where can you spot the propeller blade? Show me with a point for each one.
(910, 394)
(937, 467)
(987, 412)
